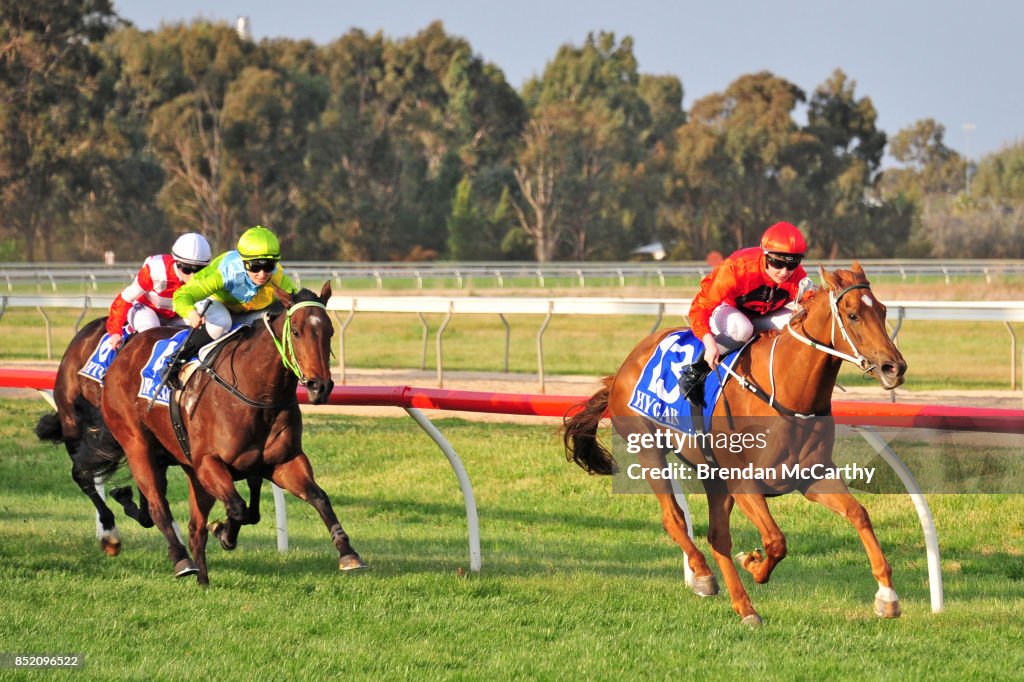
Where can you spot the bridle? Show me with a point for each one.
(857, 358)
(285, 347)
(837, 320)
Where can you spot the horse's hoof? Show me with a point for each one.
(185, 567)
(219, 531)
(123, 495)
(350, 562)
(746, 558)
(111, 547)
(887, 609)
(705, 586)
(753, 620)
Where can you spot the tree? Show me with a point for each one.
(733, 165)
(50, 108)
(930, 166)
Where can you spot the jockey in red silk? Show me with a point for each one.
(746, 292)
(147, 301)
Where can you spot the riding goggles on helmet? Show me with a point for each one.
(261, 265)
(788, 261)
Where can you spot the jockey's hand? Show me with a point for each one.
(194, 319)
(711, 354)
(115, 340)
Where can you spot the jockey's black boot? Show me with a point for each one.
(196, 340)
(691, 381)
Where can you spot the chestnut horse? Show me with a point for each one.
(242, 418)
(77, 399)
(800, 365)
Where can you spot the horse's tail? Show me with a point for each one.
(100, 454)
(579, 432)
(48, 428)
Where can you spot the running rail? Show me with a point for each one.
(863, 415)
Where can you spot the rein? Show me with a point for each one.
(856, 359)
(287, 352)
(285, 347)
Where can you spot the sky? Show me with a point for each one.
(960, 63)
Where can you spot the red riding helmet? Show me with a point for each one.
(783, 238)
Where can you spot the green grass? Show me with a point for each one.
(577, 583)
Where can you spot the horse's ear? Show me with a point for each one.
(283, 296)
(858, 270)
(325, 292)
(831, 280)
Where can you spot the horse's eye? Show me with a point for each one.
(295, 333)
(852, 316)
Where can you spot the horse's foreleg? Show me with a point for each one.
(110, 539)
(755, 508)
(720, 537)
(200, 504)
(887, 603)
(152, 483)
(227, 531)
(296, 476)
(214, 476)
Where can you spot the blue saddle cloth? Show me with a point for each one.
(163, 351)
(657, 394)
(96, 366)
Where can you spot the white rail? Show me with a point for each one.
(677, 308)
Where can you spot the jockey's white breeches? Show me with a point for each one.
(219, 319)
(732, 327)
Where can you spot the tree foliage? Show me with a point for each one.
(373, 148)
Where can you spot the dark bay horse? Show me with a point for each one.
(242, 419)
(77, 399)
(800, 365)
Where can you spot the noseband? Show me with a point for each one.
(285, 347)
(837, 319)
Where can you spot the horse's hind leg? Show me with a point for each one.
(720, 537)
(200, 504)
(887, 603)
(110, 539)
(674, 523)
(760, 566)
(152, 483)
(296, 476)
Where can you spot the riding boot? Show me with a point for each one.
(691, 381)
(196, 340)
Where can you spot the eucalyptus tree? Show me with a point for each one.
(734, 165)
(51, 107)
(583, 151)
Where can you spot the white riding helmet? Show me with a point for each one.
(192, 249)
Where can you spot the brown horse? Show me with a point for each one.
(77, 399)
(242, 419)
(800, 364)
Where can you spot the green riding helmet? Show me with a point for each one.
(259, 242)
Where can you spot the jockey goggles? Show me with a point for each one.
(187, 269)
(261, 265)
(779, 261)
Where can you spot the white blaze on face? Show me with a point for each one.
(867, 300)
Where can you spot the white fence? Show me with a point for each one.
(87, 276)
(346, 308)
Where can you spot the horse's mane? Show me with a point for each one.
(817, 297)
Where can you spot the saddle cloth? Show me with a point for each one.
(96, 366)
(161, 354)
(657, 394)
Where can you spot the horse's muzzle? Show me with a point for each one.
(319, 390)
(891, 371)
